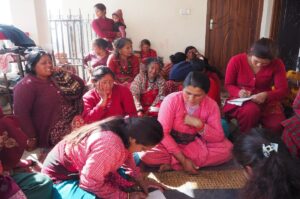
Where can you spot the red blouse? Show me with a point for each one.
(125, 71)
(150, 53)
(121, 104)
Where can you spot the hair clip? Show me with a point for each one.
(267, 149)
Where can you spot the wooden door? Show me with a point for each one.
(289, 34)
(232, 26)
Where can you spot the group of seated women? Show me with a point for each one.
(96, 160)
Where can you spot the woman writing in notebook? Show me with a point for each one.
(261, 75)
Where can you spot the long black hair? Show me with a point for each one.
(264, 48)
(177, 57)
(99, 72)
(145, 130)
(197, 79)
(119, 44)
(274, 176)
(101, 43)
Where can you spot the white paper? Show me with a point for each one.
(157, 194)
(239, 101)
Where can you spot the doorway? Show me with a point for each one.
(232, 26)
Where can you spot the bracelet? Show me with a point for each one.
(201, 128)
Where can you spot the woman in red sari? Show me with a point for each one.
(148, 88)
(123, 63)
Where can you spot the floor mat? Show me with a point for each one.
(222, 179)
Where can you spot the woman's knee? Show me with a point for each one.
(250, 109)
(43, 180)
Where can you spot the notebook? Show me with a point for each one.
(239, 101)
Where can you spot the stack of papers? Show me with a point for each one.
(239, 101)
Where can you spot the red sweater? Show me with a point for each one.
(150, 53)
(116, 65)
(104, 28)
(37, 105)
(121, 104)
(239, 75)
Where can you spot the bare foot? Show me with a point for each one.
(164, 167)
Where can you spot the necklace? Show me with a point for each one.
(126, 69)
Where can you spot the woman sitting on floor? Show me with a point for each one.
(191, 52)
(18, 185)
(176, 58)
(193, 135)
(148, 88)
(46, 101)
(182, 69)
(106, 98)
(253, 75)
(85, 163)
(123, 63)
(272, 173)
(146, 50)
(99, 55)
(212, 72)
(291, 132)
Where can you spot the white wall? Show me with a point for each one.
(5, 14)
(157, 20)
(31, 16)
(24, 17)
(44, 38)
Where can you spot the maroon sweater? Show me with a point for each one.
(104, 28)
(36, 105)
